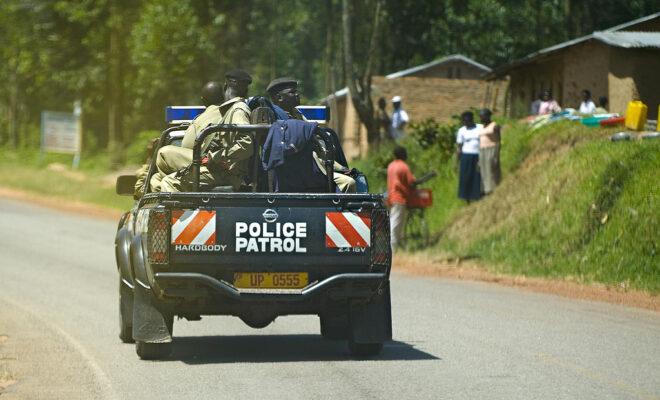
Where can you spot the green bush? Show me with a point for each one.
(430, 134)
(137, 150)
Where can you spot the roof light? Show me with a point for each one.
(320, 114)
(179, 114)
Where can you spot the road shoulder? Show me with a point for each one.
(38, 361)
(429, 266)
(70, 206)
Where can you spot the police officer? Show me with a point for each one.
(143, 171)
(283, 92)
(226, 154)
(171, 158)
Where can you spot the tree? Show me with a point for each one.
(359, 82)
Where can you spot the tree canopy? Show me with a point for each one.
(127, 59)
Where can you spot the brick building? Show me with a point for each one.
(439, 89)
(621, 63)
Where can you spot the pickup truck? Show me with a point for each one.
(252, 254)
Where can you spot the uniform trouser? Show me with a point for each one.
(141, 175)
(169, 160)
(398, 217)
(183, 183)
(345, 183)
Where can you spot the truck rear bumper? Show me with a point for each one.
(337, 287)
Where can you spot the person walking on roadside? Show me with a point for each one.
(400, 183)
(467, 151)
(399, 120)
(489, 152)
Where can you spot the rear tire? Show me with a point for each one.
(125, 313)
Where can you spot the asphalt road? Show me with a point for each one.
(454, 340)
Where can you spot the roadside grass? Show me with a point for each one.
(51, 175)
(588, 215)
(518, 142)
(572, 205)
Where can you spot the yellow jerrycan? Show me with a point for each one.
(636, 115)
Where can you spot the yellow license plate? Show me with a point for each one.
(271, 280)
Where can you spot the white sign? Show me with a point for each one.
(60, 132)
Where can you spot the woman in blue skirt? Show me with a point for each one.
(469, 178)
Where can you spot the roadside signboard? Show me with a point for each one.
(60, 132)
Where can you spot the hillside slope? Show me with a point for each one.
(572, 205)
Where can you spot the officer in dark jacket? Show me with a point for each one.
(283, 92)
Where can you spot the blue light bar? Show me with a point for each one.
(320, 114)
(180, 114)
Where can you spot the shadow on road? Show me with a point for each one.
(278, 348)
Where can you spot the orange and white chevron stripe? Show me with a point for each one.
(347, 229)
(193, 227)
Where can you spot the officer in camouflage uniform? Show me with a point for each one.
(283, 93)
(226, 154)
(141, 174)
(171, 158)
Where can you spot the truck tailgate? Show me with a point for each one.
(274, 237)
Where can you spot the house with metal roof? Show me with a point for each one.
(439, 89)
(621, 63)
(455, 66)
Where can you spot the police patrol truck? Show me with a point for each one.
(254, 254)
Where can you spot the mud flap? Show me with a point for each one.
(372, 322)
(149, 324)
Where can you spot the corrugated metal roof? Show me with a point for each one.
(629, 39)
(548, 50)
(453, 57)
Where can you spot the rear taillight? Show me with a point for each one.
(381, 252)
(158, 236)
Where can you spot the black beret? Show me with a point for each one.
(280, 83)
(239, 75)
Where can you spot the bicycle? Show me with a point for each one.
(417, 229)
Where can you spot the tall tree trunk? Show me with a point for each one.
(328, 69)
(359, 85)
(14, 139)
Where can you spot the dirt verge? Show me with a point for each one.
(430, 266)
(71, 206)
(6, 377)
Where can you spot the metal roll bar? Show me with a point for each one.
(257, 130)
(197, 148)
